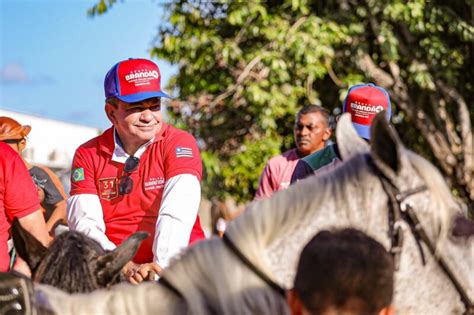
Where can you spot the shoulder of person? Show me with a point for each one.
(105, 139)
(176, 135)
(38, 170)
(94, 142)
(285, 156)
(9, 158)
(7, 152)
(44, 171)
(321, 157)
(173, 131)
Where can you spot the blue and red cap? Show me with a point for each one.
(364, 101)
(133, 80)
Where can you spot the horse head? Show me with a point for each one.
(74, 262)
(272, 232)
(403, 170)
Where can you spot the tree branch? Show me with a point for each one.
(367, 65)
(334, 77)
(465, 133)
(245, 73)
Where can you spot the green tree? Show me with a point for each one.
(245, 68)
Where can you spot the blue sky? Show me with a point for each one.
(53, 57)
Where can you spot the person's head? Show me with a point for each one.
(13, 133)
(311, 130)
(133, 100)
(363, 102)
(343, 272)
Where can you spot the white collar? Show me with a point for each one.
(120, 155)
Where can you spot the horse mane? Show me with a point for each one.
(446, 208)
(72, 251)
(74, 262)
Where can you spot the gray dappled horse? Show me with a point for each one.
(208, 278)
(73, 262)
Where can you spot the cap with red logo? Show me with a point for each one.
(133, 80)
(364, 101)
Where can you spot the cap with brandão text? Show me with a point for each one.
(364, 101)
(133, 80)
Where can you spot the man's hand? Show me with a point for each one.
(129, 270)
(135, 273)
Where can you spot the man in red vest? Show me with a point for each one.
(139, 175)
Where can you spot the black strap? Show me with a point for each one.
(230, 245)
(169, 286)
(395, 215)
(406, 213)
(394, 231)
(418, 229)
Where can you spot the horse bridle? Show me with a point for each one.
(398, 212)
(235, 250)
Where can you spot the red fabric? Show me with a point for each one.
(277, 174)
(137, 211)
(18, 197)
(364, 103)
(146, 79)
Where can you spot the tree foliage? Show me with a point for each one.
(245, 68)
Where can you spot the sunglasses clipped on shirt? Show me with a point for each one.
(126, 182)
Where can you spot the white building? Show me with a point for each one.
(52, 142)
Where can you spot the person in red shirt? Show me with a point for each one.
(140, 175)
(18, 198)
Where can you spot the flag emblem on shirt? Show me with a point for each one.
(78, 174)
(183, 152)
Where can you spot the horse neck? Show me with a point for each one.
(283, 224)
(146, 298)
(212, 280)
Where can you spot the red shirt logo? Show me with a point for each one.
(108, 188)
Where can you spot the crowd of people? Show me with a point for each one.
(143, 174)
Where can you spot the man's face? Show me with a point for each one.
(136, 123)
(311, 133)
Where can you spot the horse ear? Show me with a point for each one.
(110, 264)
(387, 149)
(348, 141)
(27, 246)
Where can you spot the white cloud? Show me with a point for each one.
(14, 73)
